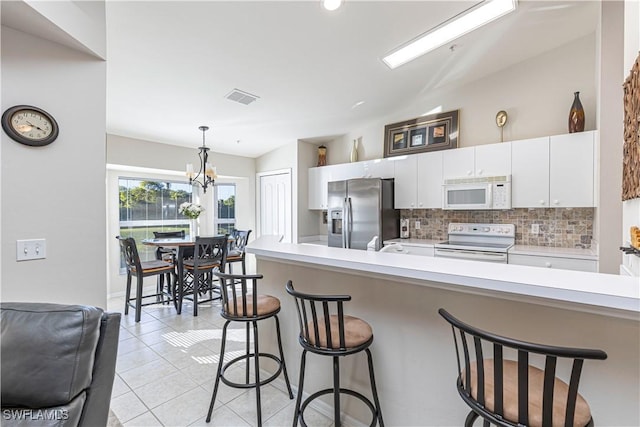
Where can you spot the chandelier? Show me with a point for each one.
(206, 171)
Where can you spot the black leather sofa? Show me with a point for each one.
(57, 364)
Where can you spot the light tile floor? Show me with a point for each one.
(166, 368)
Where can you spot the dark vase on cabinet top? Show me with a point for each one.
(576, 115)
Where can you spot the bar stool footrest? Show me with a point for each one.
(353, 393)
(244, 357)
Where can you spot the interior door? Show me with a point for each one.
(275, 205)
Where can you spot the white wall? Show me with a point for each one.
(134, 157)
(608, 219)
(54, 192)
(537, 95)
(285, 157)
(631, 208)
(307, 220)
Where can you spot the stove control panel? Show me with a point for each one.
(503, 230)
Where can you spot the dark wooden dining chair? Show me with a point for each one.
(209, 255)
(237, 251)
(141, 270)
(498, 379)
(167, 254)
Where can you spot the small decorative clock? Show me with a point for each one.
(30, 125)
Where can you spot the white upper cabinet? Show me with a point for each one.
(478, 161)
(530, 173)
(418, 181)
(318, 178)
(571, 170)
(459, 162)
(430, 180)
(378, 168)
(405, 188)
(556, 171)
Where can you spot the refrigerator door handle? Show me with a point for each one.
(345, 221)
(349, 222)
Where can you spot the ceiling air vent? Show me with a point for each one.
(241, 96)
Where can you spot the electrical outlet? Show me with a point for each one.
(535, 228)
(417, 225)
(31, 249)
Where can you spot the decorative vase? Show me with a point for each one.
(194, 228)
(576, 115)
(354, 151)
(322, 155)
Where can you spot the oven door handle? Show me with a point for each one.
(471, 255)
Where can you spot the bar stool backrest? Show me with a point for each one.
(239, 295)
(130, 254)
(479, 353)
(314, 318)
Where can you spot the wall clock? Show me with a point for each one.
(30, 125)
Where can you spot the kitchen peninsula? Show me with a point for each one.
(399, 295)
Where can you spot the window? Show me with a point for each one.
(225, 219)
(147, 206)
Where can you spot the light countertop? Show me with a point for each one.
(578, 253)
(428, 243)
(605, 294)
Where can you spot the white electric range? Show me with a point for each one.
(478, 242)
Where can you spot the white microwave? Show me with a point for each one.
(482, 193)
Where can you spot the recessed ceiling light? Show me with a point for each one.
(457, 26)
(331, 4)
(357, 104)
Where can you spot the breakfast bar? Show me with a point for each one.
(400, 294)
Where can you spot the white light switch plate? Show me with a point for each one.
(417, 225)
(31, 249)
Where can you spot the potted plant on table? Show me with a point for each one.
(192, 211)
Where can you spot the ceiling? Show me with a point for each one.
(170, 64)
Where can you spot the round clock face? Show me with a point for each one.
(30, 125)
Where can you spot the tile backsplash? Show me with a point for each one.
(559, 227)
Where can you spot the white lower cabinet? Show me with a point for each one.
(554, 262)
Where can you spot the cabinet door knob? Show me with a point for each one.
(542, 202)
(547, 264)
(480, 171)
(420, 203)
(469, 173)
(556, 202)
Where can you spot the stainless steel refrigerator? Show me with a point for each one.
(360, 209)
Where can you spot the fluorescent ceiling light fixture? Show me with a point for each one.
(457, 26)
(331, 4)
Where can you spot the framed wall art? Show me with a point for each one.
(428, 133)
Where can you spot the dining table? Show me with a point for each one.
(182, 248)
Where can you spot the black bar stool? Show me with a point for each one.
(325, 330)
(512, 393)
(241, 303)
